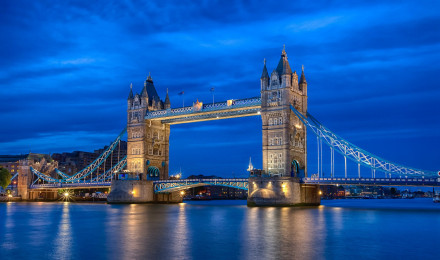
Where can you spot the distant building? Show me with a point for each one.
(10, 162)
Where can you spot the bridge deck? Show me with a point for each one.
(74, 185)
(175, 185)
(429, 182)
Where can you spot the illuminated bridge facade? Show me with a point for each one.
(283, 108)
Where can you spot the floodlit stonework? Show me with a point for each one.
(148, 141)
(284, 135)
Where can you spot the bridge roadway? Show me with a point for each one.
(163, 186)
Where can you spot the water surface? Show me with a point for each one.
(350, 229)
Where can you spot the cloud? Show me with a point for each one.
(65, 68)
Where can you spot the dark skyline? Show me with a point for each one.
(371, 67)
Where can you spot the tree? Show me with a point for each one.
(5, 177)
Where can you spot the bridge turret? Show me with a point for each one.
(264, 78)
(284, 70)
(303, 82)
(130, 97)
(144, 93)
(167, 104)
(294, 85)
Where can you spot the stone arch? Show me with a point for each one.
(294, 168)
(153, 172)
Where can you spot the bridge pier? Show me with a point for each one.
(139, 191)
(281, 191)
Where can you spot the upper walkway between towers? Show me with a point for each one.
(203, 112)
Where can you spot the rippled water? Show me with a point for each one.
(341, 229)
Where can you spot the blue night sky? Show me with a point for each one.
(372, 69)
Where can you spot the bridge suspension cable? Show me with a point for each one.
(15, 175)
(112, 171)
(81, 175)
(354, 153)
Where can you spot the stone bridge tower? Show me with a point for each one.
(284, 135)
(148, 141)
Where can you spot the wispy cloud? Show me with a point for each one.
(65, 69)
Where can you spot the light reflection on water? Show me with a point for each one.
(219, 230)
(63, 237)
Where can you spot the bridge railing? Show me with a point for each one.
(239, 103)
(173, 185)
(374, 181)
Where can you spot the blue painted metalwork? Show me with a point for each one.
(15, 175)
(227, 109)
(111, 172)
(429, 182)
(81, 175)
(357, 154)
(62, 174)
(76, 185)
(176, 185)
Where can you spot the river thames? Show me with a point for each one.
(339, 229)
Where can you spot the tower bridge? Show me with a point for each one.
(284, 179)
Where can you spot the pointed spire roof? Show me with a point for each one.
(150, 90)
(283, 65)
(251, 167)
(265, 74)
(303, 77)
(167, 99)
(130, 96)
(144, 91)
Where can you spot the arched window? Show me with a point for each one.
(281, 120)
(156, 149)
(275, 121)
(270, 121)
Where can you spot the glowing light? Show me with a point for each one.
(66, 195)
(182, 193)
(259, 113)
(10, 195)
(283, 186)
(132, 192)
(320, 192)
(298, 126)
